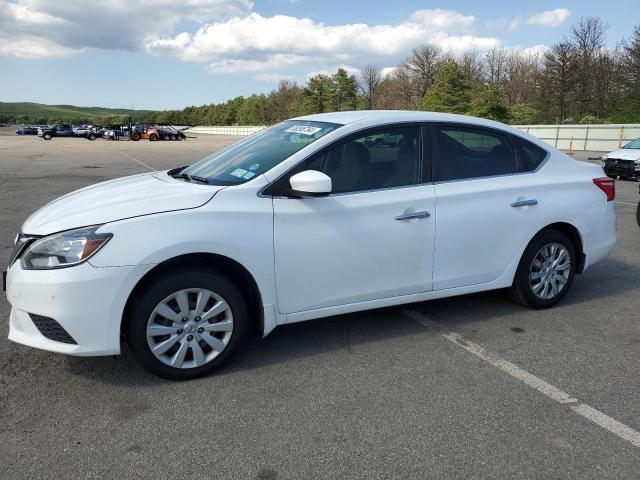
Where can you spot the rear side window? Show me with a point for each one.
(470, 152)
(528, 156)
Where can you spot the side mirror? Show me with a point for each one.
(310, 183)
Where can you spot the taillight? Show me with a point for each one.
(607, 185)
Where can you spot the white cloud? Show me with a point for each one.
(270, 62)
(439, 19)
(386, 71)
(254, 39)
(331, 70)
(505, 23)
(44, 28)
(535, 50)
(550, 18)
(272, 77)
(226, 36)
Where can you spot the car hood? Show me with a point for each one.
(625, 154)
(118, 199)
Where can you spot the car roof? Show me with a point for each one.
(372, 118)
(389, 116)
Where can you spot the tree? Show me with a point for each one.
(451, 91)
(558, 79)
(588, 37)
(343, 90)
(369, 82)
(490, 105)
(473, 69)
(423, 66)
(317, 94)
(496, 60)
(285, 101)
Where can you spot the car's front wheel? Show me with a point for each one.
(546, 270)
(186, 324)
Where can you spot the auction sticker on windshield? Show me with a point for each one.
(303, 129)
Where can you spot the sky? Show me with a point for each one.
(168, 54)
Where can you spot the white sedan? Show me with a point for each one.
(303, 220)
(624, 162)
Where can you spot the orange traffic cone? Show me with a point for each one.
(570, 152)
(621, 138)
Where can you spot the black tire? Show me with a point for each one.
(521, 291)
(47, 136)
(181, 137)
(153, 137)
(162, 287)
(135, 136)
(91, 137)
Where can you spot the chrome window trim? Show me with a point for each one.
(506, 134)
(531, 172)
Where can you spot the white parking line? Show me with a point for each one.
(602, 420)
(134, 159)
(627, 203)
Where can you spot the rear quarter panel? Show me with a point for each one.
(573, 198)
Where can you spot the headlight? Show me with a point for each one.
(64, 249)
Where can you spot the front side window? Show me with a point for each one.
(259, 152)
(469, 152)
(384, 158)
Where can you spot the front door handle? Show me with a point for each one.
(525, 203)
(410, 215)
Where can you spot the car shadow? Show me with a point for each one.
(288, 343)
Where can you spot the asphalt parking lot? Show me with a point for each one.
(453, 388)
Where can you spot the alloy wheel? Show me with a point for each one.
(549, 271)
(189, 328)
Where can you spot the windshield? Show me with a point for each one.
(258, 153)
(634, 144)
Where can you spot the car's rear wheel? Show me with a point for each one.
(47, 136)
(153, 137)
(135, 136)
(185, 325)
(546, 270)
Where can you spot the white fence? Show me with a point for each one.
(600, 138)
(232, 130)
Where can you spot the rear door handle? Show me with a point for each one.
(410, 215)
(525, 203)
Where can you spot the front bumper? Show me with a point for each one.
(86, 301)
(619, 168)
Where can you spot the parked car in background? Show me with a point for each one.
(27, 131)
(624, 162)
(83, 130)
(58, 130)
(305, 220)
(63, 130)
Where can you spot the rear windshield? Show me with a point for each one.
(258, 153)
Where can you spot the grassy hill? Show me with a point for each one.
(36, 112)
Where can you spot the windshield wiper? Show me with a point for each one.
(192, 178)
